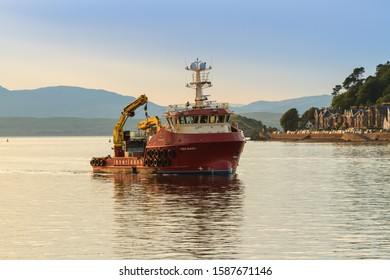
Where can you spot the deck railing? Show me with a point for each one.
(190, 106)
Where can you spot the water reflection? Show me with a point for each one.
(361, 206)
(176, 217)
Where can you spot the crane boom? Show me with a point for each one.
(127, 112)
(149, 123)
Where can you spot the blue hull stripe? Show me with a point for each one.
(196, 172)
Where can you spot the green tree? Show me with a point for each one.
(290, 119)
(355, 78)
(363, 92)
(336, 90)
(352, 85)
(386, 96)
(308, 115)
(369, 92)
(382, 70)
(342, 101)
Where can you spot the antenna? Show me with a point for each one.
(200, 80)
(212, 65)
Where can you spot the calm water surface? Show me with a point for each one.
(288, 201)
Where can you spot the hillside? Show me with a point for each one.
(76, 102)
(64, 101)
(250, 127)
(64, 110)
(17, 126)
(268, 119)
(302, 104)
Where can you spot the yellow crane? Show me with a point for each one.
(118, 133)
(149, 123)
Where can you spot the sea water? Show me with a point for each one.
(287, 201)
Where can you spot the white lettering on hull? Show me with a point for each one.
(128, 162)
(188, 148)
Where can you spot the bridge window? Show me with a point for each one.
(194, 119)
(169, 120)
(220, 118)
(203, 119)
(182, 120)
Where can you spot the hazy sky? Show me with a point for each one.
(259, 50)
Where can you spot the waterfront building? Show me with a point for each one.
(377, 116)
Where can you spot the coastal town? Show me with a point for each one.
(356, 124)
(357, 118)
(360, 111)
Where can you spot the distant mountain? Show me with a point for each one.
(3, 89)
(19, 126)
(76, 102)
(65, 110)
(65, 101)
(301, 104)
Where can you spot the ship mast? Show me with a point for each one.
(200, 80)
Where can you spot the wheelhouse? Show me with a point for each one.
(199, 121)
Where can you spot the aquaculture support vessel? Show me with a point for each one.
(197, 137)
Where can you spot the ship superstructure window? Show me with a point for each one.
(169, 120)
(173, 121)
(204, 119)
(220, 118)
(183, 120)
(194, 119)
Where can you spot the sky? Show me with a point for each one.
(259, 49)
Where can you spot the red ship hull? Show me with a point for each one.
(198, 153)
(175, 153)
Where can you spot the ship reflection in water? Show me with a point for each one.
(176, 217)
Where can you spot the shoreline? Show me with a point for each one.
(330, 137)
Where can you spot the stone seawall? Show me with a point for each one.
(384, 136)
(330, 137)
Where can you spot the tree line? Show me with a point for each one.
(291, 119)
(359, 91)
(354, 91)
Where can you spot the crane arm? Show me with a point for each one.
(128, 111)
(149, 123)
